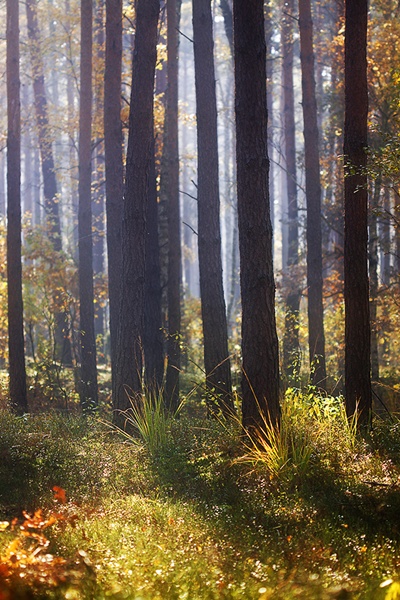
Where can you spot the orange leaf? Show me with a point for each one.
(59, 494)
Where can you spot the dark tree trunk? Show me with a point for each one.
(260, 382)
(128, 374)
(356, 293)
(216, 354)
(18, 396)
(88, 383)
(174, 220)
(153, 337)
(316, 336)
(291, 348)
(114, 166)
(269, 37)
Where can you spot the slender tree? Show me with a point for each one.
(291, 350)
(153, 337)
(260, 382)
(216, 355)
(174, 221)
(356, 292)
(113, 164)
(128, 377)
(316, 335)
(88, 383)
(18, 396)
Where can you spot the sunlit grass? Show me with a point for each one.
(189, 517)
(147, 421)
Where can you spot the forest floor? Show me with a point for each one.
(199, 513)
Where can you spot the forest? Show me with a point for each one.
(199, 299)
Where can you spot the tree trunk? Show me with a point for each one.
(269, 36)
(18, 395)
(174, 220)
(316, 336)
(216, 354)
(113, 144)
(153, 337)
(260, 382)
(88, 383)
(291, 348)
(356, 293)
(128, 373)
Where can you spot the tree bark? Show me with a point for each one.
(316, 336)
(174, 220)
(291, 348)
(17, 373)
(216, 354)
(113, 148)
(260, 382)
(356, 292)
(88, 383)
(128, 374)
(153, 337)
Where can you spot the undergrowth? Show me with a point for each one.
(309, 511)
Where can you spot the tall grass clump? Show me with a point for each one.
(313, 425)
(148, 422)
(281, 451)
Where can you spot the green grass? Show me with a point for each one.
(200, 516)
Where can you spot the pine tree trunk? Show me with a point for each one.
(88, 383)
(18, 394)
(291, 348)
(260, 382)
(128, 372)
(174, 220)
(356, 293)
(153, 337)
(216, 355)
(316, 336)
(113, 167)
